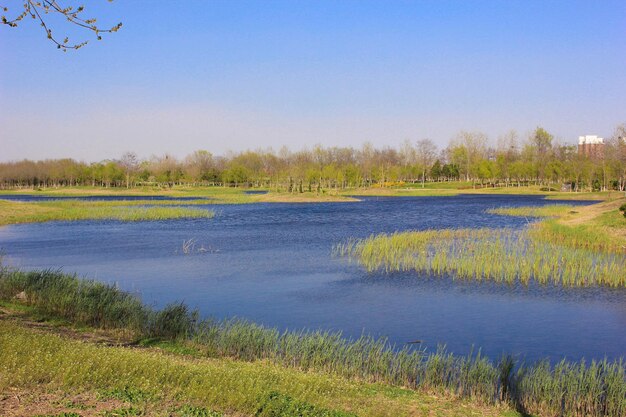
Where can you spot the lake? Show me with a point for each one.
(272, 263)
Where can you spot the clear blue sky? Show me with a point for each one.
(220, 75)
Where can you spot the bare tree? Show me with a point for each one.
(426, 152)
(615, 155)
(130, 164)
(38, 10)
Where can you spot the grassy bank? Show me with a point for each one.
(599, 227)
(13, 212)
(237, 365)
(152, 382)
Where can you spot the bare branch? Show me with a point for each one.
(38, 9)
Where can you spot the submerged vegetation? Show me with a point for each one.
(573, 389)
(501, 255)
(12, 212)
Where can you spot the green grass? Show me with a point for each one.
(587, 237)
(191, 411)
(12, 212)
(598, 228)
(339, 371)
(280, 405)
(614, 219)
(126, 394)
(499, 255)
(29, 358)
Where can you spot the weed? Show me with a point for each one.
(279, 405)
(191, 411)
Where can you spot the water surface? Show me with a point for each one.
(272, 263)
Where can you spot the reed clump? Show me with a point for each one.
(94, 304)
(582, 236)
(572, 389)
(499, 255)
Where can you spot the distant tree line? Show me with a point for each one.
(537, 160)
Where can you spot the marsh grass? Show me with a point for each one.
(12, 212)
(597, 228)
(583, 236)
(576, 389)
(94, 304)
(499, 255)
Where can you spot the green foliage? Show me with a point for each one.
(538, 162)
(280, 405)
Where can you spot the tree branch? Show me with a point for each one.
(35, 9)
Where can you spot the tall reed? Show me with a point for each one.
(500, 255)
(93, 303)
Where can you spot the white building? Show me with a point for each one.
(591, 146)
(590, 140)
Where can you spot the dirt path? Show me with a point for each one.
(587, 214)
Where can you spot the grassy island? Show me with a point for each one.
(12, 212)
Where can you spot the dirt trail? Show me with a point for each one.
(587, 213)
